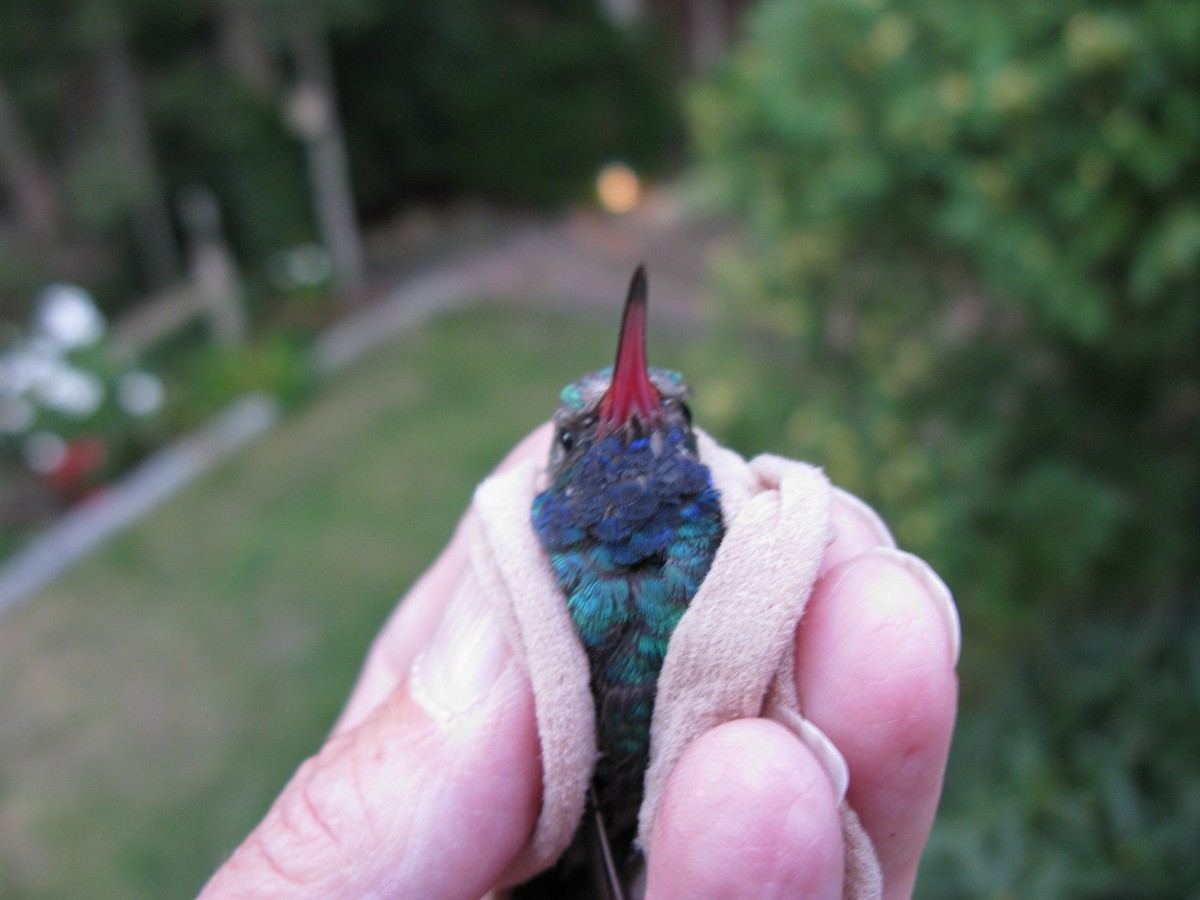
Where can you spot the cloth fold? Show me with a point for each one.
(730, 657)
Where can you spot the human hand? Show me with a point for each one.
(429, 785)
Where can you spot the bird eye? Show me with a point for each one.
(684, 410)
(566, 439)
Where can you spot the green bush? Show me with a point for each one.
(218, 134)
(1081, 782)
(978, 256)
(214, 376)
(970, 292)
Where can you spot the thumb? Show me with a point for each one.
(432, 795)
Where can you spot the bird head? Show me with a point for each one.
(626, 401)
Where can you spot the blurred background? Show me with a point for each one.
(280, 281)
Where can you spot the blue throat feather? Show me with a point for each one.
(630, 523)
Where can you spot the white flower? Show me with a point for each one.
(44, 452)
(299, 267)
(26, 365)
(67, 315)
(16, 414)
(70, 391)
(139, 393)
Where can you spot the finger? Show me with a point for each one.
(857, 528)
(409, 627)
(432, 795)
(747, 812)
(407, 630)
(875, 660)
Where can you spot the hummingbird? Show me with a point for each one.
(630, 523)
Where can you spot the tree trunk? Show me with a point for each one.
(24, 179)
(708, 30)
(242, 48)
(313, 115)
(624, 12)
(153, 234)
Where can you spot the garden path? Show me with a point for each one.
(581, 260)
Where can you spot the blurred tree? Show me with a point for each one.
(243, 47)
(135, 161)
(977, 260)
(312, 111)
(708, 32)
(972, 295)
(123, 103)
(78, 89)
(25, 178)
(520, 101)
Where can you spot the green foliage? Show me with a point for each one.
(214, 376)
(54, 406)
(1090, 755)
(1050, 143)
(18, 277)
(977, 258)
(971, 294)
(521, 102)
(517, 101)
(217, 133)
(100, 193)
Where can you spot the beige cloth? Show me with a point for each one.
(730, 657)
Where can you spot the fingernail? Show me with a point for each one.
(464, 658)
(866, 518)
(829, 756)
(935, 589)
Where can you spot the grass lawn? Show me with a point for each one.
(155, 699)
